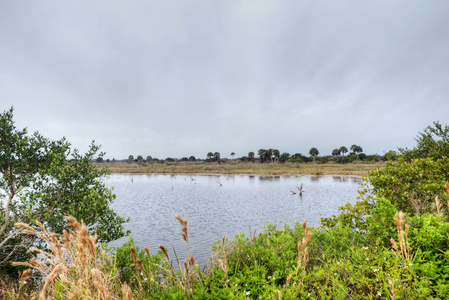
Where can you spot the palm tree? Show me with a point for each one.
(149, 158)
(356, 149)
(261, 153)
(217, 156)
(269, 155)
(232, 154)
(209, 156)
(314, 152)
(335, 153)
(343, 150)
(250, 156)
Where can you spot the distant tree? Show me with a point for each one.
(391, 156)
(269, 155)
(140, 158)
(209, 156)
(357, 149)
(232, 154)
(336, 153)
(276, 154)
(284, 156)
(314, 152)
(343, 150)
(169, 159)
(184, 159)
(250, 156)
(192, 158)
(149, 158)
(298, 157)
(130, 158)
(217, 156)
(99, 159)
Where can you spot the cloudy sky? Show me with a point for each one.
(181, 78)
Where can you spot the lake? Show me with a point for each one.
(215, 205)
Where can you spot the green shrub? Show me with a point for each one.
(411, 186)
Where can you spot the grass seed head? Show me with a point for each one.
(126, 292)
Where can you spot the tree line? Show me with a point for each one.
(272, 155)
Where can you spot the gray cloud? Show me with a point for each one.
(186, 78)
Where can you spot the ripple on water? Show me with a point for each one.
(218, 205)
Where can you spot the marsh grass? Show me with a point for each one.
(252, 168)
(71, 269)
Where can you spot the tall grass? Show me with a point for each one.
(73, 268)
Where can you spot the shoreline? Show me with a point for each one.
(356, 170)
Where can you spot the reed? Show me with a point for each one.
(187, 272)
(71, 268)
(402, 236)
(303, 253)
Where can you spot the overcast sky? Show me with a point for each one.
(181, 78)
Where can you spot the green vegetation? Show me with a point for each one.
(45, 180)
(393, 244)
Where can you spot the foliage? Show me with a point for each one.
(336, 153)
(314, 152)
(411, 186)
(343, 150)
(73, 188)
(432, 143)
(44, 179)
(251, 156)
(284, 157)
(391, 156)
(357, 149)
(352, 216)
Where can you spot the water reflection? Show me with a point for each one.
(269, 178)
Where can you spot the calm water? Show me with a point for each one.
(218, 205)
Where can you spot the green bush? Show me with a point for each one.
(411, 186)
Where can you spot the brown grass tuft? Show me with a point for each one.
(403, 236)
(72, 267)
(303, 251)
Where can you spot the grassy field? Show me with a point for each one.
(354, 169)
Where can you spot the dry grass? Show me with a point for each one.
(71, 269)
(188, 270)
(403, 236)
(303, 253)
(355, 169)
